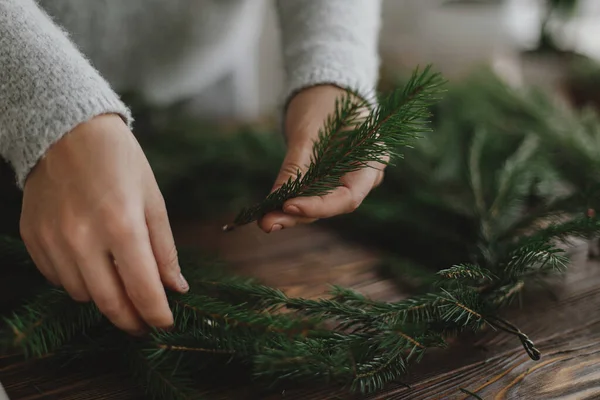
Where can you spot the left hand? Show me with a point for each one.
(306, 114)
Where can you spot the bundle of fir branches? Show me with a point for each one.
(488, 188)
(500, 163)
(226, 318)
(505, 181)
(570, 141)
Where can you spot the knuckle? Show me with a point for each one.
(46, 235)
(171, 260)
(123, 227)
(75, 235)
(80, 229)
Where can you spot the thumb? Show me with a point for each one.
(297, 160)
(306, 113)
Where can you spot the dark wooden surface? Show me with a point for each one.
(304, 261)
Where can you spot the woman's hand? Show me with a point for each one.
(95, 223)
(305, 116)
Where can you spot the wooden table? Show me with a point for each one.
(304, 261)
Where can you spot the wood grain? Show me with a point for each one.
(569, 370)
(305, 261)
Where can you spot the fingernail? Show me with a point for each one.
(276, 227)
(183, 285)
(292, 210)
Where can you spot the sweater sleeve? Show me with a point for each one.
(330, 42)
(47, 87)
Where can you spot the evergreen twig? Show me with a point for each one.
(351, 140)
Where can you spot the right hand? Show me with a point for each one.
(94, 222)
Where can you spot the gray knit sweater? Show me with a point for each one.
(61, 61)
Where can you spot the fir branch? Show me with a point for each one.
(348, 296)
(467, 271)
(475, 155)
(460, 307)
(14, 252)
(536, 257)
(104, 339)
(158, 378)
(383, 368)
(365, 361)
(192, 310)
(48, 322)
(202, 348)
(469, 182)
(542, 214)
(238, 290)
(347, 314)
(503, 295)
(513, 172)
(514, 183)
(582, 227)
(415, 310)
(349, 142)
(311, 359)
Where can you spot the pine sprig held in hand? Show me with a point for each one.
(351, 138)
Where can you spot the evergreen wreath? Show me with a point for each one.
(494, 204)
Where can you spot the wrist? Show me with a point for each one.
(99, 134)
(309, 108)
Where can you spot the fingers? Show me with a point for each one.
(107, 291)
(130, 294)
(98, 245)
(137, 267)
(296, 161)
(163, 245)
(60, 253)
(342, 200)
(304, 118)
(278, 220)
(39, 257)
